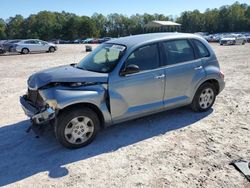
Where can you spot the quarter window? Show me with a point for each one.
(146, 58)
(178, 51)
(202, 50)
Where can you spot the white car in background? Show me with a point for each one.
(34, 45)
(233, 39)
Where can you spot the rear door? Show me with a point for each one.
(183, 70)
(138, 94)
(31, 45)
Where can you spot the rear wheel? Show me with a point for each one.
(77, 127)
(204, 98)
(25, 51)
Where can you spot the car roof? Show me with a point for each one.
(29, 39)
(137, 40)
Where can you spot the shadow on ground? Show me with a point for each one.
(19, 54)
(22, 155)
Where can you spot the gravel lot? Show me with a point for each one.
(177, 148)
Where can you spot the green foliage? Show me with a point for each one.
(15, 27)
(234, 18)
(48, 25)
(2, 29)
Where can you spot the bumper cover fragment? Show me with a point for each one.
(37, 117)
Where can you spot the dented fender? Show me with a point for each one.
(67, 96)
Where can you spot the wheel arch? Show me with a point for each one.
(52, 47)
(213, 81)
(87, 105)
(25, 48)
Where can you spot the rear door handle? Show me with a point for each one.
(198, 68)
(160, 76)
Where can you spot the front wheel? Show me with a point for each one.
(77, 127)
(52, 49)
(204, 98)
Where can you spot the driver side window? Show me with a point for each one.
(146, 58)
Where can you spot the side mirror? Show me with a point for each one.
(130, 69)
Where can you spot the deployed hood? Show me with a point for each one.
(64, 74)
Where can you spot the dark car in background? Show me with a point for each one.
(2, 50)
(9, 45)
(105, 39)
(87, 40)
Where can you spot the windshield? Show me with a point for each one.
(103, 59)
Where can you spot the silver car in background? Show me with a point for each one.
(34, 45)
(233, 39)
(124, 79)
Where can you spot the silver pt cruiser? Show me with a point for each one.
(123, 79)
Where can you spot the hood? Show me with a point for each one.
(64, 74)
(229, 38)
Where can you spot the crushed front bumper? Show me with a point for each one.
(37, 116)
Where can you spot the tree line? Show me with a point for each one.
(48, 25)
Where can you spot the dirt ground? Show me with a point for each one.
(177, 148)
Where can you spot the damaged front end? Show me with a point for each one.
(52, 90)
(35, 108)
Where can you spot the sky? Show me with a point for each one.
(127, 7)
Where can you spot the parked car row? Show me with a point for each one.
(27, 46)
(228, 38)
(82, 41)
(93, 40)
(36, 45)
(233, 39)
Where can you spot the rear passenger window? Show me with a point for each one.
(146, 58)
(30, 42)
(202, 49)
(178, 51)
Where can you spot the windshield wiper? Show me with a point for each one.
(79, 67)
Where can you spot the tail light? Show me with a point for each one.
(222, 75)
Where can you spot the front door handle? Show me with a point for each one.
(198, 68)
(160, 76)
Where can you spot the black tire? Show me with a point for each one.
(11, 49)
(2, 51)
(25, 51)
(196, 103)
(64, 120)
(52, 49)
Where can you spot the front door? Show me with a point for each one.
(138, 94)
